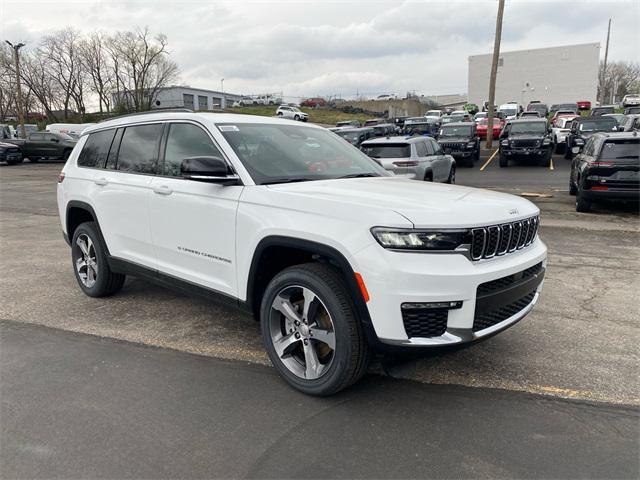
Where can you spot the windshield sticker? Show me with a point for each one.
(228, 128)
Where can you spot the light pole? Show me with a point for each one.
(16, 57)
(222, 101)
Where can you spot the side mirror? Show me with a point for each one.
(208, 169)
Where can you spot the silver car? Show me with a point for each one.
(417, 157)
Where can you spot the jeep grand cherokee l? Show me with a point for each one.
(334, 255)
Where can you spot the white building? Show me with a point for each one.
(186, 97)
(551, 75)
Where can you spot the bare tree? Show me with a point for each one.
(36, 76)
(96, 62)
(619, 79)
(7, 82)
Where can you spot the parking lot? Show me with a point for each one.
(579, 342)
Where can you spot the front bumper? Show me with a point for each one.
(394, 278)
(525, 152)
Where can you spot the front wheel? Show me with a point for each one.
(296, 117)
(504, 161)
(310, 330)
(452, 175)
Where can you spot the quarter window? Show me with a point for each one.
(421, 149)
(138, 149)
(186, 140)
(95, 151)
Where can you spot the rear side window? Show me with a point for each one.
(96, 148)
(400, 150)
(184, 141)
(139, 149)
(421, 149)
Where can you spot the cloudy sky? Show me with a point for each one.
(306, 48)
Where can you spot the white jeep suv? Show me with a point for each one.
(334, 255)
(288, 111)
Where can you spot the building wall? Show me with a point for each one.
(195, 98)
(551, 75)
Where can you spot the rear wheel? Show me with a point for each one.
(582, 204)
(90, 263)
(310, 330)
(34, 160)
(296, 117)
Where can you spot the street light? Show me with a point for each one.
(16, 57)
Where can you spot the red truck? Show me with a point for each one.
(314, 102)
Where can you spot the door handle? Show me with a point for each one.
(101, 181)
(162, 190)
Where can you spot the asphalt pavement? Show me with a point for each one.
(80, 406)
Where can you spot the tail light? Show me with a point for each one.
(408, 163)
(61, 177)
(600, 187)
(601, 164)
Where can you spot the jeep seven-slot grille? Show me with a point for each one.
(526, 143)
(489, 319)
(487, 242)
(425, 322)
(452, 146)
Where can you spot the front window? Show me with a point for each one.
(509, 112)
(417, 128)
(529, 127)
(275, 153)
(455, 132)
(600, 125)
(396, 150)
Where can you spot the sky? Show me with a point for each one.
(339, 48)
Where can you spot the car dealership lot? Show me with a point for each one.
(579, 342)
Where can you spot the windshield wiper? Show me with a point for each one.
(289, 180)
(360, 175)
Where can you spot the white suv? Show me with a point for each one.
(287, 111)
(334, 255)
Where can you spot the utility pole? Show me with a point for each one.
(494, 74)
(604, 66)
(16, 57)
(223, 102)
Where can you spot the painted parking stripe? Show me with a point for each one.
(488, 161)
(551, 164)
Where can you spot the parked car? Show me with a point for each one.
(584, 127)
(631, 123)
(5, 132)
(72, 129)
(566, 107)
(597, 111)
(313, 102)
(349, 123)
(282, 220)
(479, 116)
(355, 136)
(434, 113)
(541, 108)
(384, 130)
(562, 113)
(294, 113)
(460, 140)
(631, 110)
(422, 126)
(510, 110)
(559, 132)
(373, 121)
(584, 105)
(482, 126)
(456, 117)
(607, 168)
(10, 153)
(267, 99)
(528, 138)
(398, 121)
(619, 117)
(530, 114)
(45, 145)
(247, 101)
(631, 100)
(420, 158)
(472, 108)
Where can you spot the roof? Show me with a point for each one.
(529, 120)
(616, 135)
(457, 124)
(202, 117)
(591, 118)
(358, 129)
(396, 139)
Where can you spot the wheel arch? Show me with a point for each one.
(274, 253)
(78, 212)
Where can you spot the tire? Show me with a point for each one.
(573, 190)
(546, 160)
(105, 282)
(583, 205)
(279, 114)
(567, 152)
(428, 177)
(504, 161)
(476, 157)
(452, 175)
(296, 117)
(560, 147)
(34, 160)
(337, 367)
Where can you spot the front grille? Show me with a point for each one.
(487, 242)
(425, 322)
(489, 319)
(526, 143)
(504, 282)
(452, 146)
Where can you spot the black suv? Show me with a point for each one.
(460, 140)
(599, 111)
(607, 168)
(582, 128)
(526, 139)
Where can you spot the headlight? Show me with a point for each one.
(504, 143)
(400, 239)
(546, 141)
(471, 144)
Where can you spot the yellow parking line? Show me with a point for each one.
(488, 161)
(551, 164)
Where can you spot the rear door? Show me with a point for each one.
(35, 146)
(123, 190)
(440, 162)
(193, 223)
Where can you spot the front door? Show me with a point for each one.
(193, 223)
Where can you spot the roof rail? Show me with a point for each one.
(157, 110)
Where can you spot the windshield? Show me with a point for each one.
(274, 153)
(617, 149)
(537, 107)
(417, 128)
(600, 125)
(397, 150)
(529, 127)
(509, 111)
(455, 132)
(568, 106)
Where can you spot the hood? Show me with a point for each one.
(424, 204)
(526, 136)
(454, 139)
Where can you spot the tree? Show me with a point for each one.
(96, 62)
(620, 79)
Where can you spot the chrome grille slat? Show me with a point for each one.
(496, 240)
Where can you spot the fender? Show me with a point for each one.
(88, 208)
(325, 251)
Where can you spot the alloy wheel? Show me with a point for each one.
(302, 332)
(86, 263)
